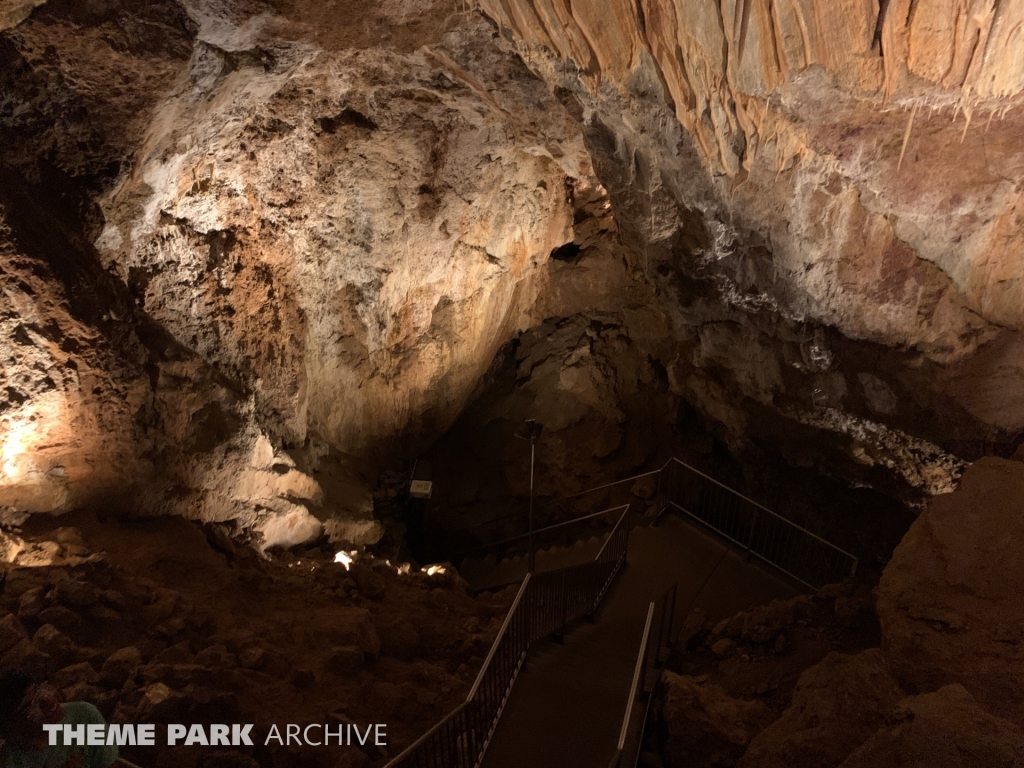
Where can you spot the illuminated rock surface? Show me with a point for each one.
(311, 238)
(252, 253)
(852, 216)
(943, 688)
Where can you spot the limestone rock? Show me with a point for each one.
(26, 657)
(820, 259)
(943, 604)
(346, 660)
(763, 623)
(56, 644)
(74, 593)
(707, 727)
(13, 12)
(64, 619)
(74, 675)
(943, 729)
(837, 704)
(355, 626)
(121, 665)
(400, 639)
(11, 632)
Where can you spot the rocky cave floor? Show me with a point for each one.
(920, 669)
(162, 621)
(165, 620)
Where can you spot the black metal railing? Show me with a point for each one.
(794, 550)
(545, 604)
(495, 532)
(757, 530)
(560, 534)
(655, 645)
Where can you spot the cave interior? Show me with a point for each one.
(548, 383)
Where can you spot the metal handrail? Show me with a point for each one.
(641, 664)
(544, 604)
(758, 531)
(497, 640)
(613, 531)
(496, 521)
(756, 504)
(476, 684)
(545, 529)
(663, 640)
(601, 487)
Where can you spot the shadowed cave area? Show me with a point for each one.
(524, 383)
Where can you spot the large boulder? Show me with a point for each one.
(11, 632)
(706, 726)
(837, 704)
(947, 601)
(944, 729)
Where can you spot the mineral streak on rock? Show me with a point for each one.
(257, 241)
(800, 185)
(328, 234)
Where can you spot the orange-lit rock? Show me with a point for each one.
(947, 601)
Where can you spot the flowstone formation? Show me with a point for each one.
(243, 243)
(253, 251)
(828, 194)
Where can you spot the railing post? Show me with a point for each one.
(659, 503)
(628, 521)
(672, 613)
(565, 608)
(750, 536)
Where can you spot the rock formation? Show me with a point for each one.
(243, 237)
(947, 614)
(943, 688)
(203, 634)
(252, 252)
(830, 192)
(291, 239)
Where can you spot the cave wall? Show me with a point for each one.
(305, 230)
(831, 214)
(354, 233)
(311, 238)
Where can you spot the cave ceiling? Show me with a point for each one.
(240, 239)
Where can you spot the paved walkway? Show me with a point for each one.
(567, 706)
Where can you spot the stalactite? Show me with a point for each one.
(906, 136)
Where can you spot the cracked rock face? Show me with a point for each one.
(327, 230)
(838, 193)
(942, 601)
(244, 241)
(352, 234)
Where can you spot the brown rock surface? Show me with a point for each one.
(945, 602)
(837, 704)
(241, 240)
(310, 650)
(825, 207)
(706, 726)
(944, 729)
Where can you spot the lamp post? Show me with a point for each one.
(531, 432)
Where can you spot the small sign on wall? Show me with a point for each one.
(421, 489)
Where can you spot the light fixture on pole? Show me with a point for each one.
(531, 432)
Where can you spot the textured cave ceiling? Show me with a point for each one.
(246, 242)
